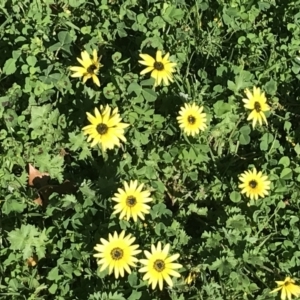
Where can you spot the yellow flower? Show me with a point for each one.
(159, 267)
(257, 102)
(192, 119)
(131, 201)
(160, 67)
(254, 184)
(190, 278)
(90, 67)
(288, 289)
(117, 254)
(106, 128)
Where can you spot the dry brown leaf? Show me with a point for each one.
(32, 261)
(40, 180)
(38, 201)
(63, 152)
(36, 178)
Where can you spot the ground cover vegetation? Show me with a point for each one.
(149, 149)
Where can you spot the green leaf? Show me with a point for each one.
(13, 205)
(264, 145)
(173, 14)
(271, 87)
(286, 174)
(76, 3)
(31, 60)
(64, 38)
(28, 238)
(135, 295)
(116, 57)
(220, 108)
(9, 66)
(297, 149)
(53, 288)
(285, 161)
(235, 197)
(133, 279)
(53, 275)
(231, 86)
(67, 269)
(245, 130)
(244, 139)
(149, 95)
(134, 87)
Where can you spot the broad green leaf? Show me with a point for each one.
(9, 66)
(64, 37)
(235, 196)
(244, 139)
(31, 60)
(285, 161)
(271, 87)
(134, 87)
(76, 3)
(149, 95)
(286, 174)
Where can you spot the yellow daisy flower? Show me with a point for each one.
(160, 67)
(90, 67)
(254, 184)
(131, 201)
(159, 267)
(117, 254)
(192, 119)
(106, 128)
(288, 289)
(257, 102)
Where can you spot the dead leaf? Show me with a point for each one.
(40, 181)
(38, 201)
(36, 178)
(32, 261)
(63, 152)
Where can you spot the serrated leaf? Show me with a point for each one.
(28, 238)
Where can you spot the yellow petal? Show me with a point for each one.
(147, 60)
(148, 69)
(158, 56)
(96, 79)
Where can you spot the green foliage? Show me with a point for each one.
(237, 248)
(28, 240)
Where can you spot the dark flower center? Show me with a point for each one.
(158, 66)
(159, 265)
(253, 184)
(257, 106)
(91, 69)
(191, 120)
(131, 201)
(116, 253)
(102, 128)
